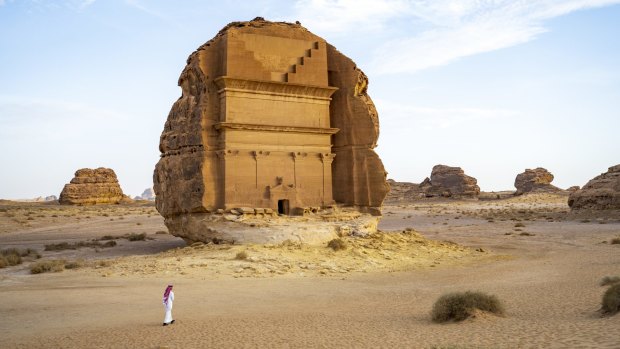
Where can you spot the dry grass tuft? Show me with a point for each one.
(461, 305)
(337, 244)
(61, 246)
(13, 256)
(611, 300)
(79, 263)
(609, 280)
(54, 266)
(241, 255)
(136, 237)
(615, 241)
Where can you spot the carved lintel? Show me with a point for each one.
(274, 128)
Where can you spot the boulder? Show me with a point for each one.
(600, 193)
(447, 181)
(91, 187)
(536, 180)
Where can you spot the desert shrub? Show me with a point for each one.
(104, 263)
(54, 266)
(241, 255)
(615, 241)
(609, 280)
(519, 225)
(526, 234)
(136, 237)
(109, 237)
(61, 246)
(337, 244)
(13, 256)
(459, 306)
(611, 299)
(74, 264)
(161, 232)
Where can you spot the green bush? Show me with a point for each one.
(459, 306)
(611, 299)
(337, 244)
(54, 266)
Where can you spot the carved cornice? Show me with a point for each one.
(225, 83)
(274, 128)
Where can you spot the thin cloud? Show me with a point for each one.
(344, 16)
(446, 30)
(473, 28)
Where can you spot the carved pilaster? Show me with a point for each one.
(259, 155)
(297, 158)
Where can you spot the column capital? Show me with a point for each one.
(327, 157)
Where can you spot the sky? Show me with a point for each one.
(493, 87)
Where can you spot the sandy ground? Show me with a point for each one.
(541, 261)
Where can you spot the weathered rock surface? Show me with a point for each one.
(448, 182)
(600, 193)
(271, 117)
(536, 180)
(91, 187)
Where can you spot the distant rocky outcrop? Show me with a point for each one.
(536, 180)
(447, 181)
(600, 193)
(51, 198)
(402, 191)
(147, 194)
(91, 187)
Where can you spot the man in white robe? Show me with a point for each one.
(168, 299)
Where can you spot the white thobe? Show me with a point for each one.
(168, 307)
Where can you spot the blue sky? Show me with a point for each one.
(494, 87)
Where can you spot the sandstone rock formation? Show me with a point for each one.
(449, 181)
(91, 187)
(536, 180)
(600, 193)
(270, 117)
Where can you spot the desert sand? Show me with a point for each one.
(542, 261)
